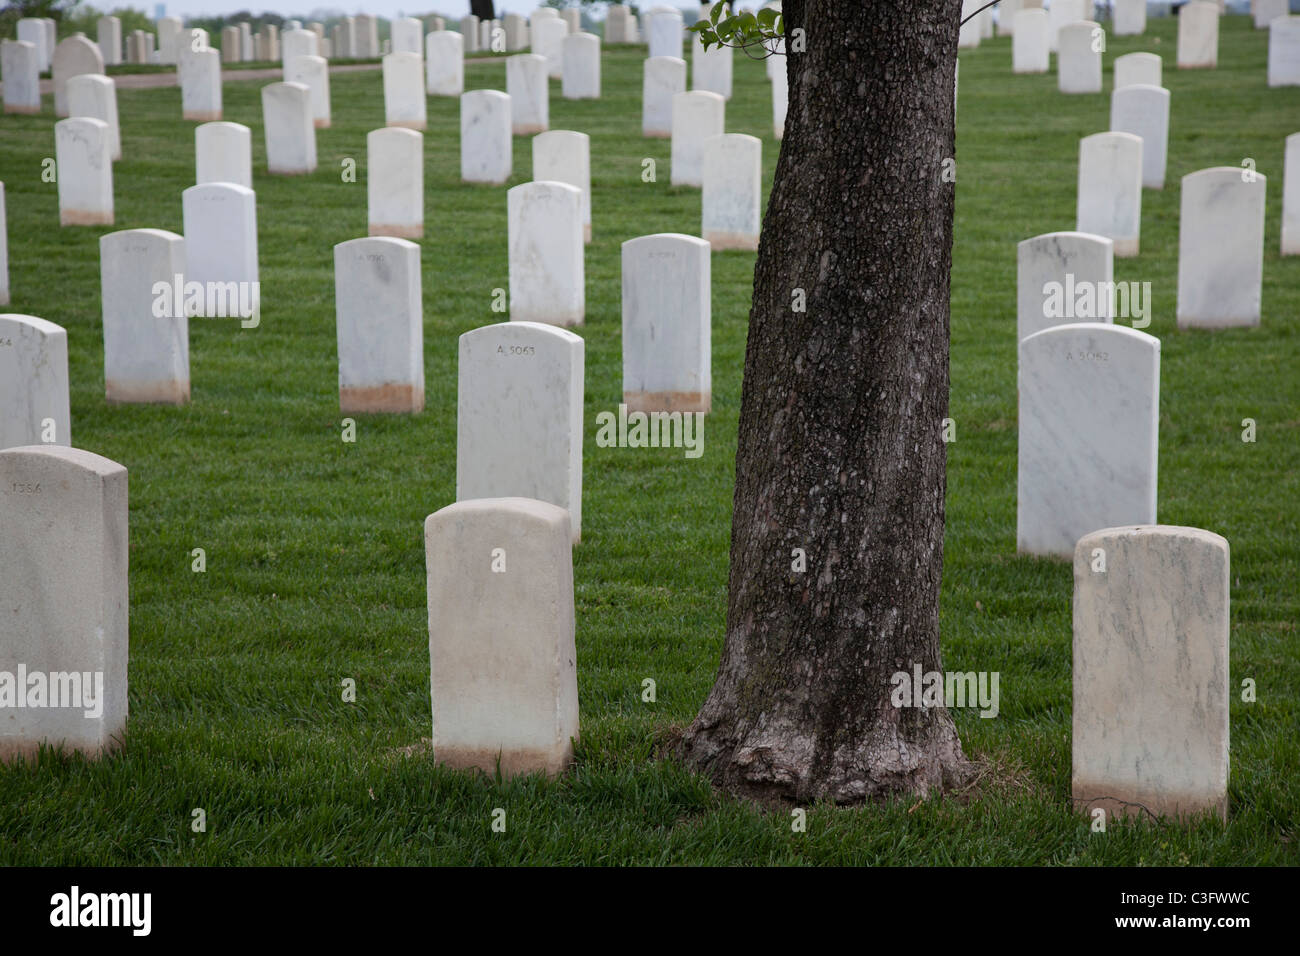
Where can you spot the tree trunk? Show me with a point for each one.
(482, 9)
(841, 449)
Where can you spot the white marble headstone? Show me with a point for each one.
(502, 652)
(395, 182)
(1089, 425)
(1061, 13)
(528, 87)
(407, 34)
(200, 79)
(312, 72)
(486, 149)
(667, 316)
(220, 233)
(404, 102)
(665, 31)
(33, 382)
(380, 320)
(1134, 68)
(546, 253)
(96, 96)
(1198, 35)
(19, 68)
(63, 585)
(223, 153)
(1110, 189)
(1129, 17)
(1291, 197)
(732, 191)
(564, 156)
(663, 78)
(711, 69)
(1078, 65)
(1063, 278)
(1030, 51)
(580, 55)
(519, 416)
(1144, 111)
(1220, 248)
(290, 131)
(72, 57)
(548, 41)
(146, 355)
(696, 117)
(444, 64)
(1284, 52)
(1266, 11)
(83, 153)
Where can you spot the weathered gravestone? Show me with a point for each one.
(1150, 716)
(1266, 11)
(711, 70)
(83, 151)
(732, 189)
(696, 117)
(580, 68)
(290, 131)
(408, 35)
(544, 225)
(667, 364)
(1060, 15)
(146, 355)
(1110, 189)
(664, 31)
(564, 156)
(109, 34)
(469, 33)
(1063, 278)
(1220, 248)
(63, 585)
(486, 151)
(223, 153)
(1132, 69)
(395, 182)
(33, 382)
(502, 655)
(32, 30)
(1089, 419)
(312, 72)
(663, 78)
(444, 64)
(1198, 35)
(528, 87)
(1144, 111)
(72, 57)
(519, 416)
(380, 322)
(19, 62)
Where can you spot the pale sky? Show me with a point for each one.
(301, 9)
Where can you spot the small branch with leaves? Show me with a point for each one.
(757, 35)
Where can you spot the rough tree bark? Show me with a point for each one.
(840, 447)
(483, 9)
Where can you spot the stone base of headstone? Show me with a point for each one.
(202, 116)
(399, 397)
(668, 401)
(26, 110)
(730, 240)
(81, 217)
(408, 124)
(118, 392)
(399, 231)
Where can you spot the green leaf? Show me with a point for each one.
(767, 20)
(716, 12)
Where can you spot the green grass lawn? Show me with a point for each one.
(315, 562)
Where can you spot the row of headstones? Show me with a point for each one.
(1150, 725)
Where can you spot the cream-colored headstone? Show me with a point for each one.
(732, 191)
(1151, 691)
(19, 68)
(528, 87)
(72, 57)
(502, 653)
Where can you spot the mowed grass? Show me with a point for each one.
(315, 563)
